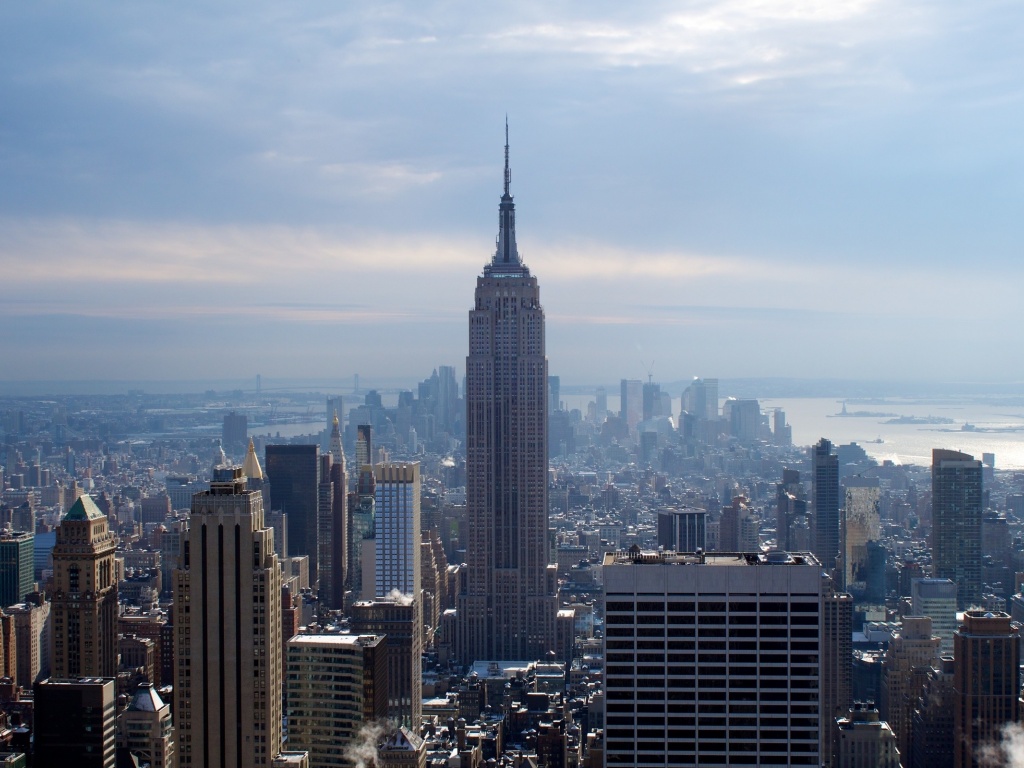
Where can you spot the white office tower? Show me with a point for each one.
(397, 509)
(714, 659)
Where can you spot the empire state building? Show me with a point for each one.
(508, 610)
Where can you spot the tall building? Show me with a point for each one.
(74, 722)
(956, 523)
(865, 741)
(986, 683)
(293, 472)
(146, 730)
(932, 731)
(683, 530)
(936, 599)
(508, 609)
(861, 524)
(364, 446)
(825, 498)
(908, 660)
(790, 511)
(631, 403)
(400, 621)
(361, 528)
(713, 659)
(235, 433)
(336, 683)
(397, 534)
(32, 638)
(227, 626)
(84, 603)
(17, 567)
(333, 591)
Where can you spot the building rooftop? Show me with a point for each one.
(636, 556)
(339, 640)
(84, 508)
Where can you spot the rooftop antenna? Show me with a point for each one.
(650, 371)
(508, 171)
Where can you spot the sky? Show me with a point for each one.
(748, 188)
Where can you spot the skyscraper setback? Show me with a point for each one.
(508, 609)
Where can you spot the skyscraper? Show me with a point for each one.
(631, 405)
(84, 611)
(294, 475)
(986, 683)
(397, 510)
(508, 609)
(825, 497)
(714, 659)
(336, 683)
(17, 566)
(227, 617)
(956, 523)
(333, 592)
(75, 722)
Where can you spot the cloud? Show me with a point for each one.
(1008, 752)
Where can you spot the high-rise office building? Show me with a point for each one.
(908, 659)
(334, 569)
(631, 403)
(683, 530)
(865, 741)
(700, 399)
(235, 433)
(714, 659)
(825, 498)
(293, 472)
(986, 683)
(397, 530)
(790, 511)
(32, 629)
(956, 523)
(74, 722)
(861, 523)
(227, 627)
(508, 609)
(17, 566)
(936, 599)
(400, 621)
(84, 604)
(336, 683)
(364, 446)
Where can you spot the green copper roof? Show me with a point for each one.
(84, 509)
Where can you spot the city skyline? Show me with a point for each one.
(715, 178)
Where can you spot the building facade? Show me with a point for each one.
(17, 566)
(713, 659)
(986, 683)
(227, 625)
(74, 722)
(956, 523)
(293, 472)
(336, 683)
(84, 603)
(825, 498)
(507, 611)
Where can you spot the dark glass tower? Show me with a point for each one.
(956, 523)
(508, 610)
(825, 495)
(293, 472)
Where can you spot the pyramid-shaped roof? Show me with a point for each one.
(146, 699)
(84, 508)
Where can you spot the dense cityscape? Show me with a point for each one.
(474, 572)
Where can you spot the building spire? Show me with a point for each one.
(508, 171)
(506, 255)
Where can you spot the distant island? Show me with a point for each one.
(921, 420)
(861, 414)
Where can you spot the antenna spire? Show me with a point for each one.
(508, 171)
